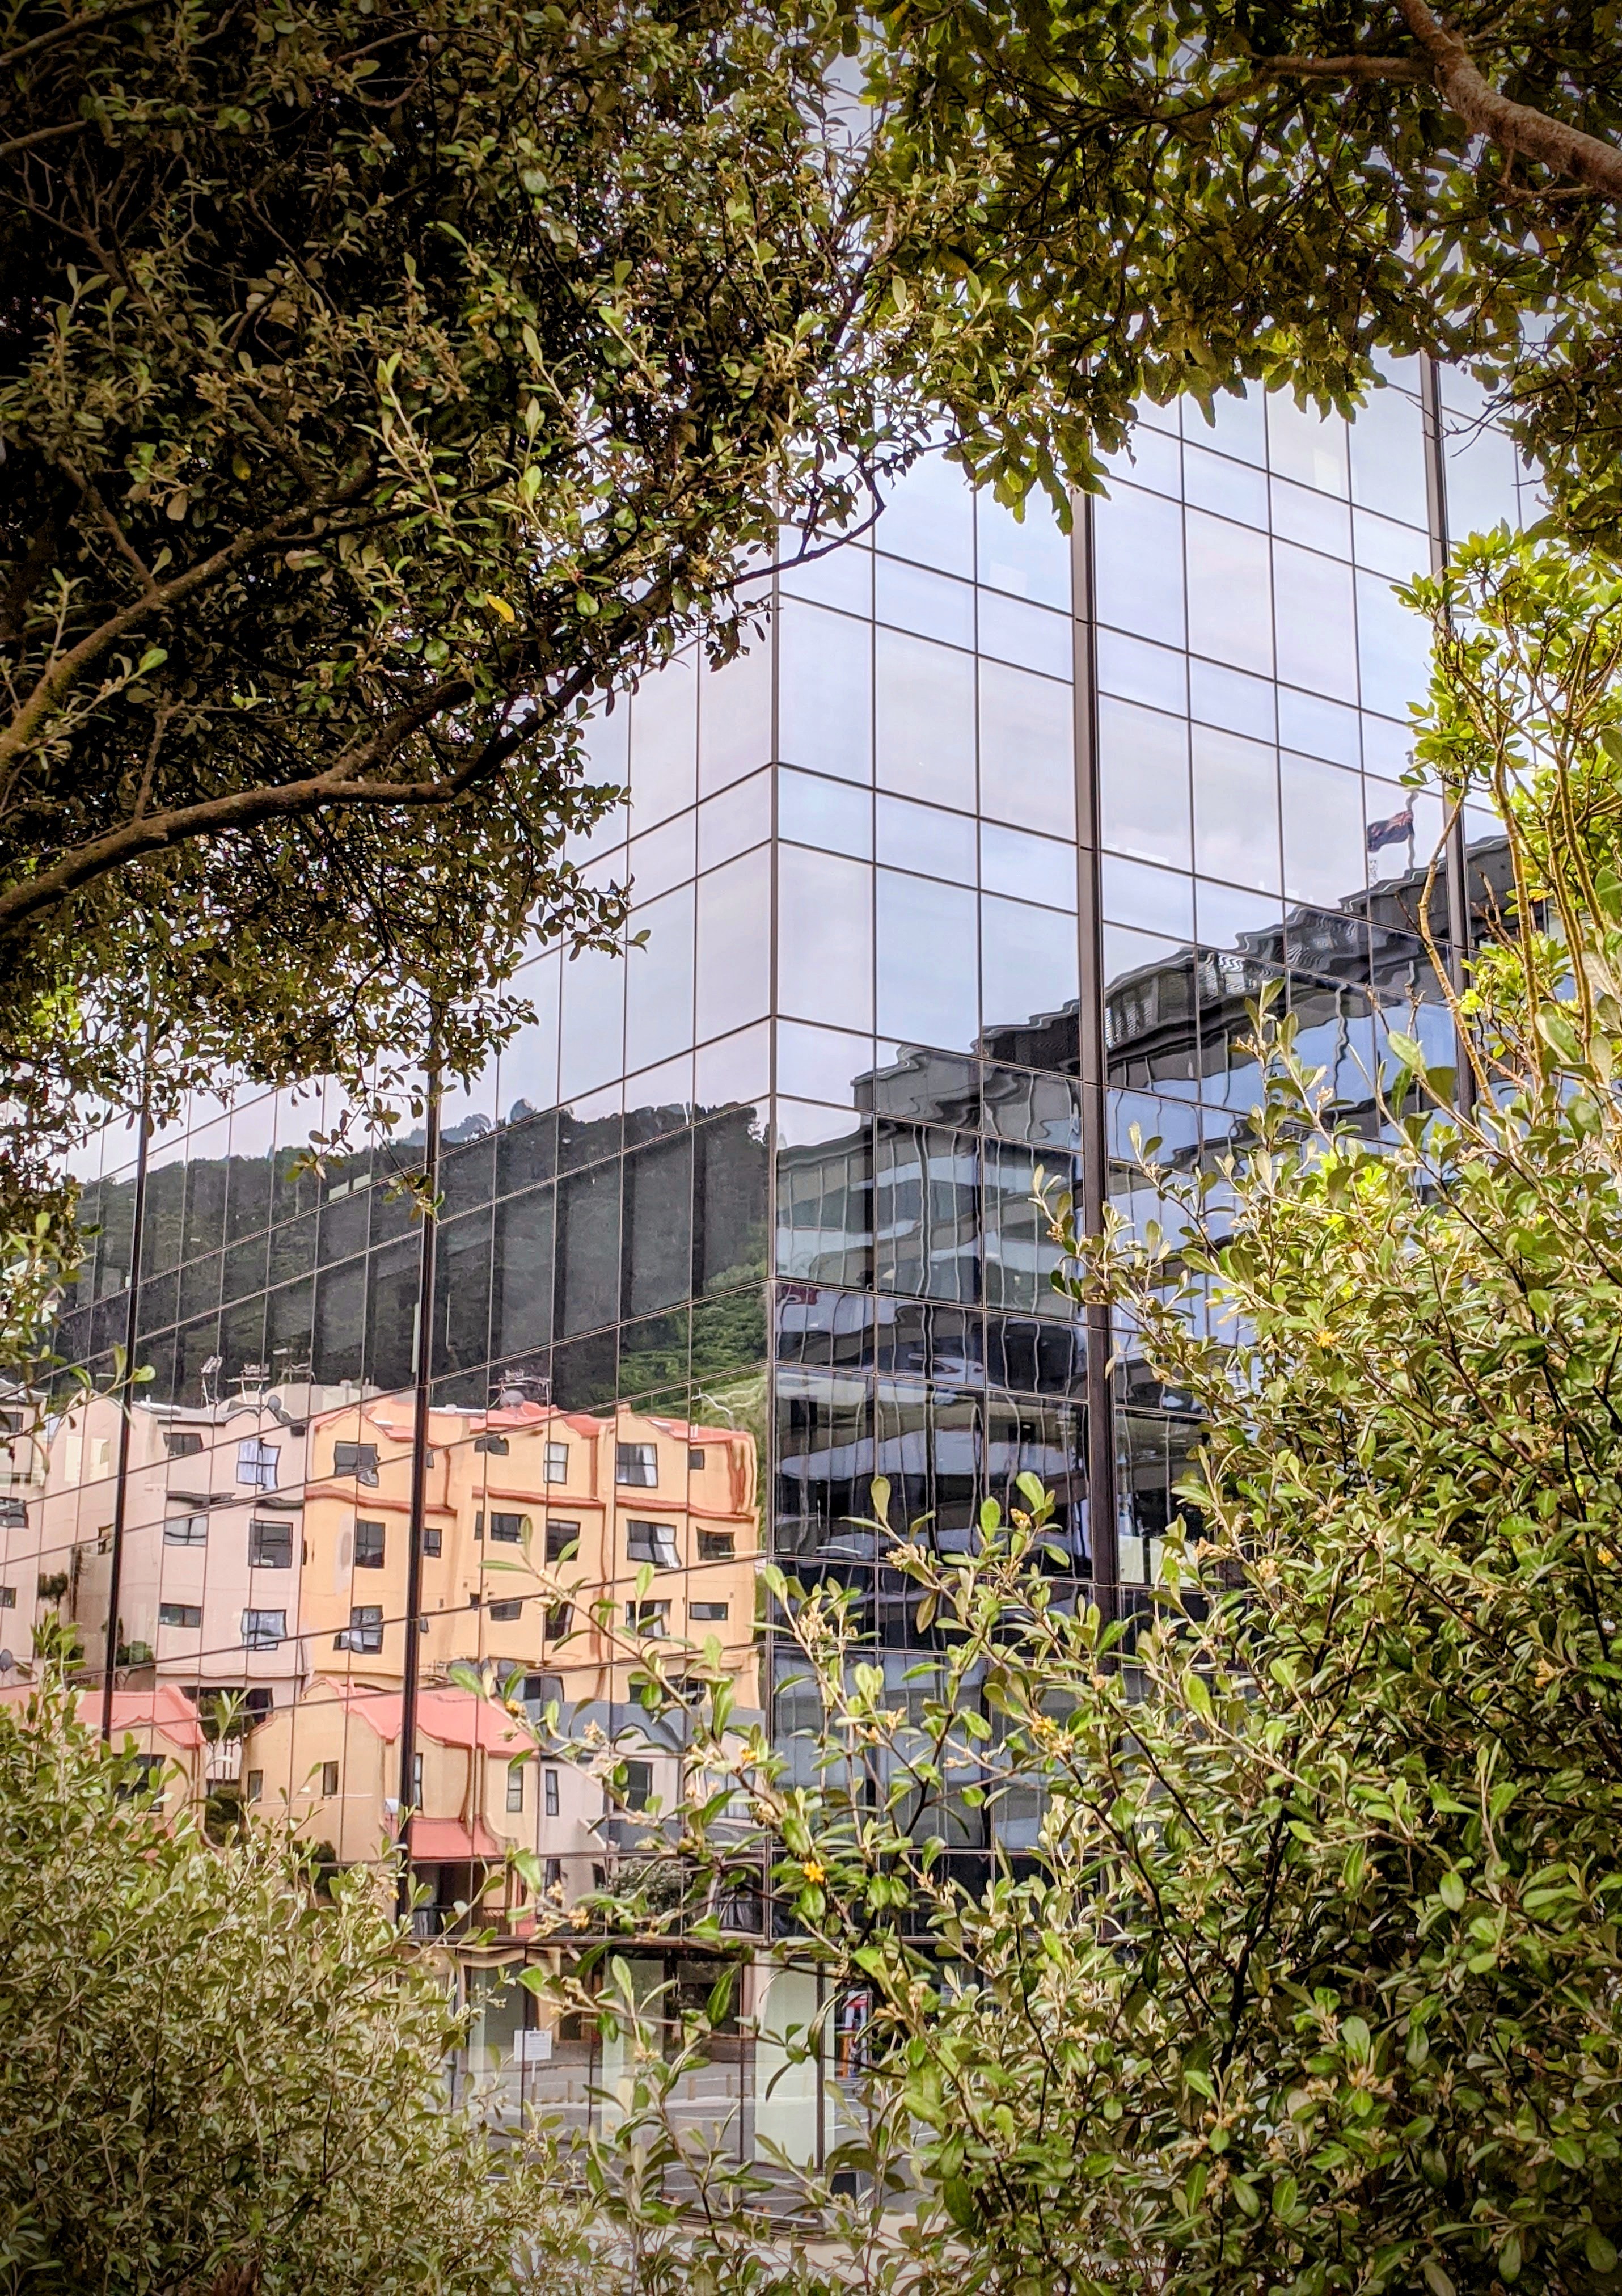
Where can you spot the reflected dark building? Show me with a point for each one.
(968, 869)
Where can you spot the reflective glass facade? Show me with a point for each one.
(970, 865)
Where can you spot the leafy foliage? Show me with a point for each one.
(1139, 197)
(379, 387)
(211, 2080)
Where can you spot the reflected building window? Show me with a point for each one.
(652, 1542)
(364, 1631)
(636, 1464)
(256, 1463)
(270, 1545)
(356, 1459)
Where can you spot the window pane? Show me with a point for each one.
(841, 576)
(1387, 548)
(1138, 547)
(923, 838)
(1153, 455)
(659, 1226)
(734, 940)
(1393, 649)
(1027, 556)
(1481, 488)
(1143, 783)
(820, 1063)
(928, 988)
(522, 1306)
(664, 742)
(1027, 868)
(824, 1202)
(933, 605)
(1317, 645)
(1141, 672)
(1229, 593)
(1228, 697)
(1317, 521)
(462, 1306)
(1322, 729)
(1238, 427)
(340, 1297)
(735, 717)
(1323, 814)
(658, 981)
(588, 1249)
(826, 691)
(1388, 452)
(1154, 898)
(925, 720)
(1027, 635)
(1306, 445)
(730, 824)
(833, 816)
(930, 516)
(730, 1199)
(661, 858)
(1227, 918)
(824, 938)
(593, 1004)
(392, 1312)
(1231, 489)
(526, 1070)
(1235, 809)
(1027, 772)
(1028, 960)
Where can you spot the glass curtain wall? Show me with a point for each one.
(1254, 672)
(743, 1217)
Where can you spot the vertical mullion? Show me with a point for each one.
(120, 1496)
(1101, 1527)
(1458, 886)
(426, 1288)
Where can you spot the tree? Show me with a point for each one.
(1299, 1966)
(380, 386)
(213, 2079)
(1139, 197)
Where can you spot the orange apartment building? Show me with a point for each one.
(533, 1516)
(329, 1767)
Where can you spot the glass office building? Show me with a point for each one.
(969, 866)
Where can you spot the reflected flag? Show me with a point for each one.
(1396, 830)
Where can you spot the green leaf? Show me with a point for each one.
(1406, 1050)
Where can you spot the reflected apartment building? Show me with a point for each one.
(968, 866)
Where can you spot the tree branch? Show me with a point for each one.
(138, 838)
(1354, 67)
(55, 684)
(70, 31)
(41, 135)
(1516, 126)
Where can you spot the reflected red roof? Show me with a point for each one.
(165, 1709)
(447, 1841)
(451, 1717)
